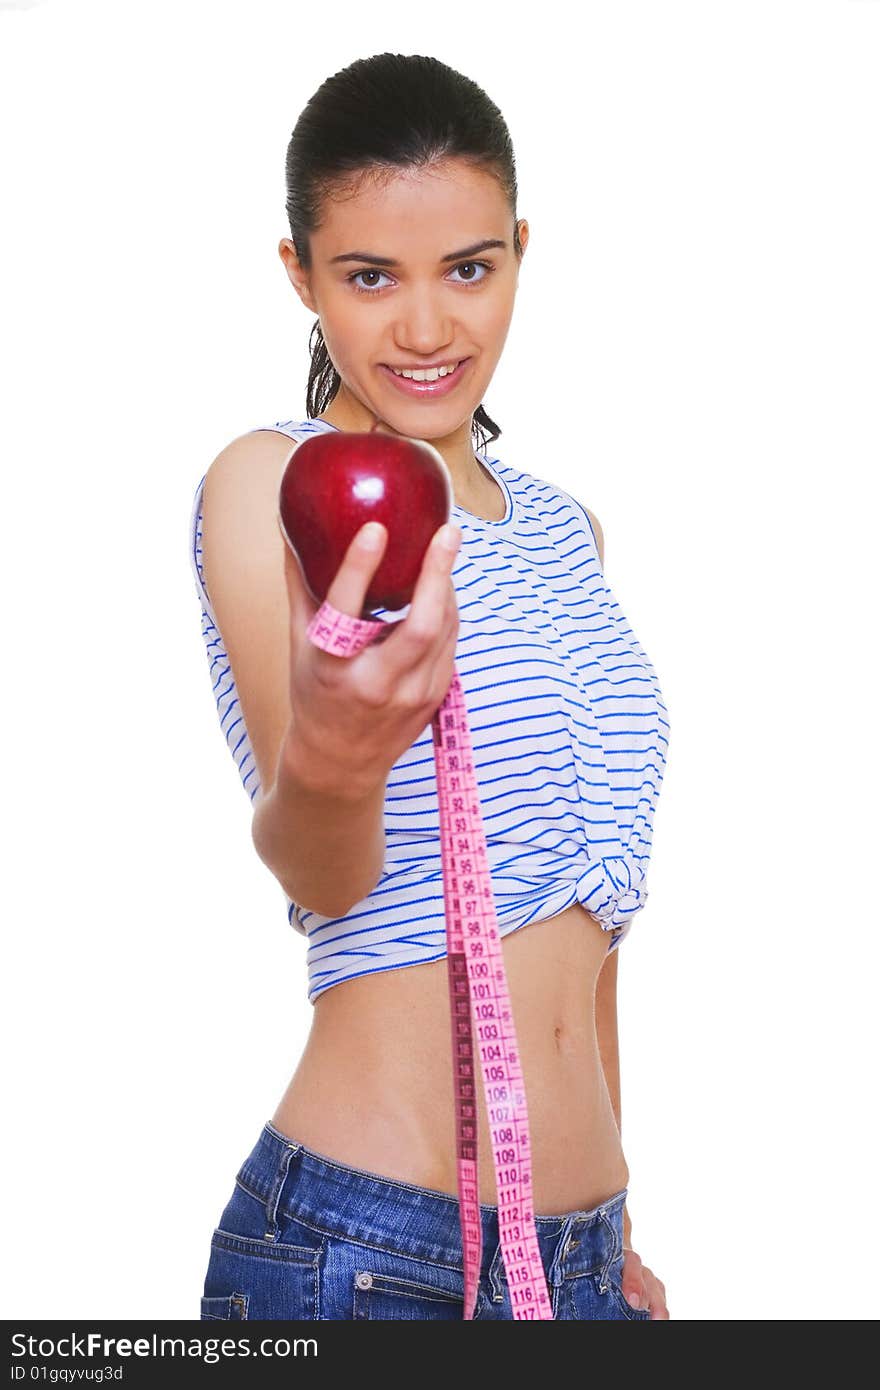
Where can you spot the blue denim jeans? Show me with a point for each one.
(305, 1237)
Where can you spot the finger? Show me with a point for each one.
(429, 605)
(386, 630)
(632, 1281)
(657, 1305)
(362, 558)
(636, 1293)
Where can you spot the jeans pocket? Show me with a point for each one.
(387, 1296)
(252, 1278)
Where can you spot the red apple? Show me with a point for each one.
(336, 482)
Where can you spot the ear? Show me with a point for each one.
(295, 273)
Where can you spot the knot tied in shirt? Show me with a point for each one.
(612, 890)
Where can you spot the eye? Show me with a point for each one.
(473, 265)
(468, 280)
(364, 289)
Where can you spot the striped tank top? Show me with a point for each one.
(569, 729)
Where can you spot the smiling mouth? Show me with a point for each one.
(419, 386)
(449, 365)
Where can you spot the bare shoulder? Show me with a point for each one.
(600, 539)
(238, 484)
(243, 561)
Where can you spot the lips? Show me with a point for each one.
(441, 387)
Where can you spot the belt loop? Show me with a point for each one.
(274, 1196)
(603, 1277)
(556, 1275)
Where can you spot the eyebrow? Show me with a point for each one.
(487, 245)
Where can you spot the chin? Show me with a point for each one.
(425, 421)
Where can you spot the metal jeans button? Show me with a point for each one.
(363, 1279)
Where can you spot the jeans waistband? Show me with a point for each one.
(351, 1203)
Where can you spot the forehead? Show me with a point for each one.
(414, 212)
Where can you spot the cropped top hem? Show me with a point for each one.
(552, 908)
(569, 731)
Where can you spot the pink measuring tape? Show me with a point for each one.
(478, 996)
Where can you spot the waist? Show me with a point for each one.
(328, 1199)
(375, 1085)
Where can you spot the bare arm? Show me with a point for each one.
(597, 531)
(325, 731)
(320, 833)
(326, 848)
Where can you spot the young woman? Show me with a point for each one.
(406, 244)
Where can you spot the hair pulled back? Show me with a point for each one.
(389, 112)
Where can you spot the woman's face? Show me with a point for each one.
(428, 303)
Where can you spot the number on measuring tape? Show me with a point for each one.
(479, 1000)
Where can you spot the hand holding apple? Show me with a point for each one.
(334, 483)
(353, 718)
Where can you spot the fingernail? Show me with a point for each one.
(634, 1300)
(450, 535)
(371, 535)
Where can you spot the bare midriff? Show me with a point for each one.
(374, 1086)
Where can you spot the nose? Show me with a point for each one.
(423, 325)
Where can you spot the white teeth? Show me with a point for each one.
(432, 374)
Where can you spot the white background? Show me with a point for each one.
(695, 354)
